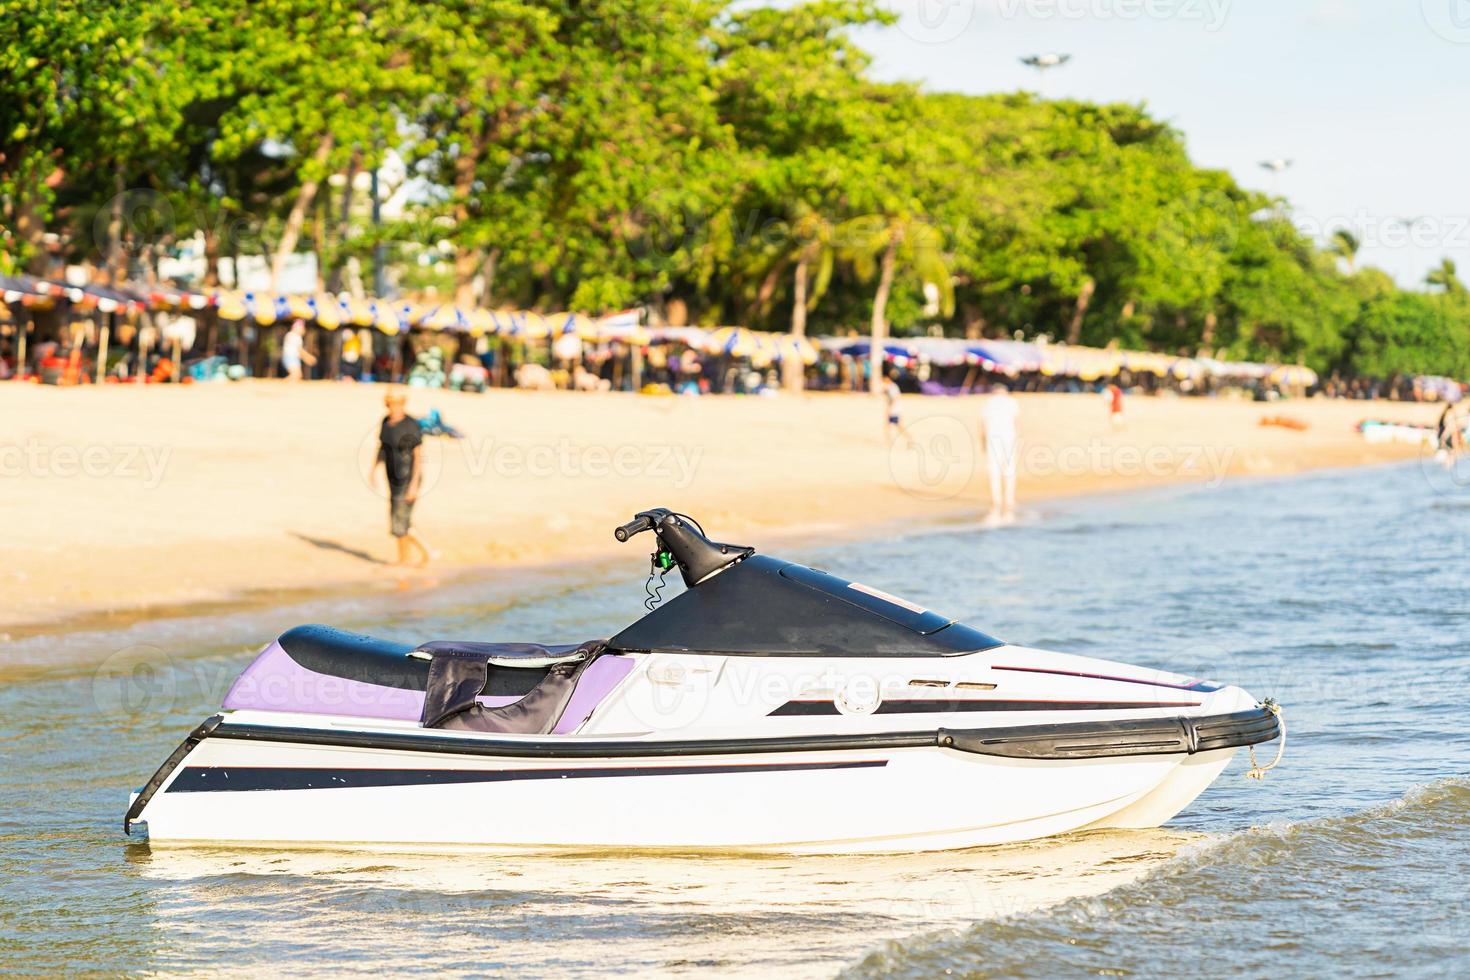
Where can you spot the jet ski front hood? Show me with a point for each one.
(767, 607)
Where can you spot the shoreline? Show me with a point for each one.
(154, 630)
(765, 470)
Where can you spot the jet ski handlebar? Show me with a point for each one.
(643, 522)
(681, 542)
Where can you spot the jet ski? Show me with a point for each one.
(770, 706)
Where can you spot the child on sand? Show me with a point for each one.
(894, 426)
(294, 352)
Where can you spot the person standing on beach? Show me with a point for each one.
(1114, 393)
(401, 453)
(293, 351)
(1449, 436)
(894, 426)
(998, 429)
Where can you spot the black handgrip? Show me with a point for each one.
(635, 526)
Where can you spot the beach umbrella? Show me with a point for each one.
(384, 317)
(798, 348)
(445, 316)
(326, 310)
(1293, 376)
(356, 311)
(27, 291)
(533, 326)
(1186, 367)
(409, 314)
(696, 337)
(230, 306)
(481, 322)
(566, 324)
(941, 351)
(763, 349)
(260, 307)
(1006, 356)
(503, 322)
(734, 341)
(1146, 362)
(892, 352)
(294, 307)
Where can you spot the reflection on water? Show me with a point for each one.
(1343, 595)
(636, 911)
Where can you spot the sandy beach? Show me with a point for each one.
(141, 500)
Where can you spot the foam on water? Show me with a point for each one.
(1377, 891)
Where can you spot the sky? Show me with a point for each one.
(1366, 98)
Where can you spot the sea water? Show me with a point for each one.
(1344, 595)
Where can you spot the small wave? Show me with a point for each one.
(1356, 893)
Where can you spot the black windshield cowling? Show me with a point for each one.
(765, 606)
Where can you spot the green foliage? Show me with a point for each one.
(723, 157)
(1411, 333)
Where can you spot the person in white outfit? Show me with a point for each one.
(998, 427)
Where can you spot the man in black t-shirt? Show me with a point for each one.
(401, 454)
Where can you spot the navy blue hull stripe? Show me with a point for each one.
(238, 779)
(927, 706)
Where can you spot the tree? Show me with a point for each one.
(1344, 244)
(493, 64)
(79, 104)
(1445, 277)
(318, 84)
(886, 247)
(1398, 332)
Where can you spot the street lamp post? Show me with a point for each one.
(1044, 63)
(1277, 167)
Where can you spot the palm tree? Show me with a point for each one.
(815, 239)
(1443, 275)
(887, 245)
(1079, 310)
(1345, 246)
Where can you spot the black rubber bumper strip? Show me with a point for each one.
(1068, 740)
(1060, 742)
(1109, 739)
(205, 729)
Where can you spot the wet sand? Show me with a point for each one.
(124, 501)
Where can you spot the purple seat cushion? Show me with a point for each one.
(275, 682)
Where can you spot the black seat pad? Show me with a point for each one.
(370, 660)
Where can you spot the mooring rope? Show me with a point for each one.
(1258, 771)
